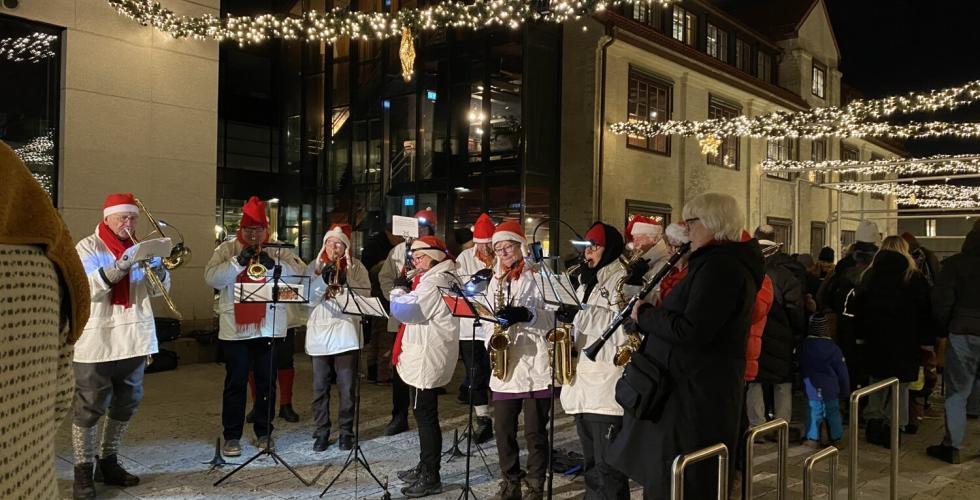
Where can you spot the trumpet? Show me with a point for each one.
(499, 341)
(256, 270)
(179, 255)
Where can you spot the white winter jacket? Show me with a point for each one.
(593, 390)
(466, 265)
(430, 344)
(115, 332)
(528, 363)
(222, 273)
(390, 270)
(329, 331)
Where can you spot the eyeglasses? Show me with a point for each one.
(504, 249)
(127, 218)
(691, 220)
(335, 244)
(257, 229)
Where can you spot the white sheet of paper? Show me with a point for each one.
(557, 290)
(405, 226)
(150, 249)
(262, 292)
(364, 306)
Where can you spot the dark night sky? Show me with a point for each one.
(894, 46)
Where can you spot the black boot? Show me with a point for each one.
(109, 471)
(509, 490)
(397, 425)
(484, 430)
(286, 413)
(533, 490)
(83, 487)
(410, 475)
(428, 483)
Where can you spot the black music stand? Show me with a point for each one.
(280, 291)
(363, 307)
(467, 305)
(557, 292)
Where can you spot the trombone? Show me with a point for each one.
(179, 255)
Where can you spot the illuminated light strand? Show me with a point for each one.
(32, 48)
(938, 203)
(930, 165)
(336, 23)
(916, 191)
(38, 151)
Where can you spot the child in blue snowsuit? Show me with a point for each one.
(825, 379)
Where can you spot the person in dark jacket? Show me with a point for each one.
(891, 309)
(785, 326)
(925, 260)
(956, 308)
(699, 334)
(825, 380)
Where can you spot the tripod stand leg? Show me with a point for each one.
(240, 467)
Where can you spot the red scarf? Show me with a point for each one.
(396, 350)
(117, 247)
(248, 313)
(514, 272)
(487, 260)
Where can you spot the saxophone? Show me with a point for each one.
(499, 340)
(560, 346)
(625, 351)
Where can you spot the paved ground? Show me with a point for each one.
(174, 433)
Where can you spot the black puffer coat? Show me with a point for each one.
(699, 333)
(956, 296)
(785, 324)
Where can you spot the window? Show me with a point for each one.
(659, 212)
(717, 43)
(784, 232)
(763, 67)
(648, 101)
(930, 228)
(743, 55)
(684, 25)
(781, 150)
(647, 13)
(847, 239)
(728, 151)
(818, 153)
(848, 153)
(818, 237)
(819, 86)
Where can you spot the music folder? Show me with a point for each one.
(472, 306)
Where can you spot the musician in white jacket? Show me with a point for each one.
(334, 338)
(112, 351)
(472, 341)
(246, 330)
(526, 386)
(590, 397)
(425, 353)
(396, 266)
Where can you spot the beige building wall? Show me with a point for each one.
(139, 113)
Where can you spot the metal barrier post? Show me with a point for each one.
(808, 465)
(782, 427)
(853, 439)
(682, 461)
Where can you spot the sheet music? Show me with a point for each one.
(358, 305)
(262, 292)
(557, 290)
(460, 306)
(405, 226)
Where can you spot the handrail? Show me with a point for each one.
(682, 461)
(782, 427)
(810, 462)
(852, 445)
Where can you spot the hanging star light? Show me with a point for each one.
(406, 53)
(339, 22)
(710, 144)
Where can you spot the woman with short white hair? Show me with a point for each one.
(696, 338)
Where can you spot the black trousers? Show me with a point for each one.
(399, 395)
(342, 368)
(602, 481)
(242, 356)
(426, 411)
(477, 363)
(535, 433)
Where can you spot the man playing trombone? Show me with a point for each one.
(111, 353)
(245, 329)
(590, 396)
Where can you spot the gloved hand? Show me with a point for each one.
(327, 272)
(246, 255)
(266, 261)
(159, 270)
(514, 314)
(636, 271)
(630, 326)
(125, 262)
(403, 283)
(155, 262)
(566, 314)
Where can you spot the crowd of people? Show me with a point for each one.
(733, 328)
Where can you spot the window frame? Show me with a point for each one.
(720, 108)
(819, 177)
(764, 71)
(822, 69)
(659, 144)
(652, 14)
(743, 62)
(848, 176)
(651, 209)
(720, 43)
(688, 25)
(787, 148)
(782, 224)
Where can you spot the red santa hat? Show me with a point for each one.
(640, 224)
(510, 230)
(119, 202)
(340, 231)
(253, 213)
(483, 229)
(597, 235)
(432, 246)
(426, 216)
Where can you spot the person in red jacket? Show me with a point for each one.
(763, 301)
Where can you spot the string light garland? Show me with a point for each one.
(339, 22)
(915, 191)
(38, 152)
(32, 48)
(930, 165)
(938, 203)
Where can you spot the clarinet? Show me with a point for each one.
(593, 350)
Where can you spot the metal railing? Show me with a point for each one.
(682, 461)
(853, 439)
(782, 427)
(810, 462)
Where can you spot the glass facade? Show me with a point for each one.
(351, 141)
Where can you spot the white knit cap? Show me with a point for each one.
(867, 232)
